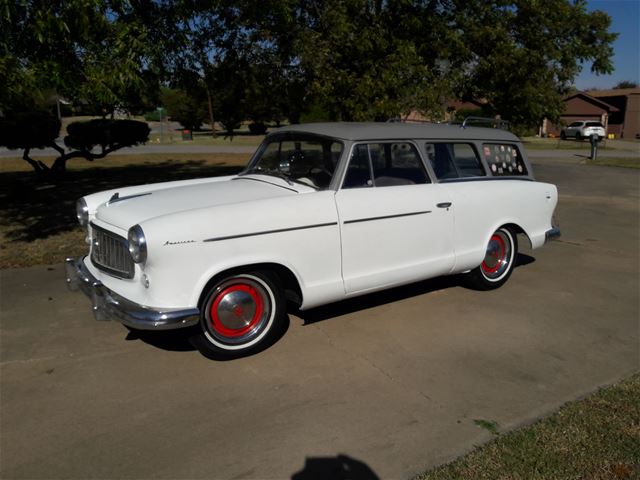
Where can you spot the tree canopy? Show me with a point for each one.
(625, 84)
(371, 60)
(273, 59)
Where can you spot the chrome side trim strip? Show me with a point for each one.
(522, 178)
(371, 219)
(268, 232)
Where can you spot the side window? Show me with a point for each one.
(504, 159)
(397, 164)
(391, 164)
(359, 170)
(454, 160)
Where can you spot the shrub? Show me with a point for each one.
(258, 128)
(29, 130)
(106, 133)
(154, 115)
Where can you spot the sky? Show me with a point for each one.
(625, 16)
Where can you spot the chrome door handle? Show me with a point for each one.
(443, 205)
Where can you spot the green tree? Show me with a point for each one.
(104, 52)
(363, 60)
(188, 108)
(270, 59)
(523, 55)
(625, 84)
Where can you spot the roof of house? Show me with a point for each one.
(602, 104)
(399, 131)
(616, 92)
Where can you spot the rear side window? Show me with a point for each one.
(454, 160)
(504, 159)
(593, 124)
(385, 165)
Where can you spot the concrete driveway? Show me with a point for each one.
(387, 385)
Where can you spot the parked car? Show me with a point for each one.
(583, 129)
(321, 213)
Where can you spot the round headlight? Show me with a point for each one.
(82, 212)
(137, 244)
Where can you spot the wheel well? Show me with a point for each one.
(518, 229)
(287, 279)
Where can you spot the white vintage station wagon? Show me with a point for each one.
(322, 212)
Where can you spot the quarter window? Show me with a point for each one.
(454, 160)
(504, 159)
(385, 165)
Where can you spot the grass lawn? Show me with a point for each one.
(174, 137)
(615, 162)
(37, 218)
(535, 143)
(596, 438)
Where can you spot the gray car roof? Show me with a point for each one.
(399, 131)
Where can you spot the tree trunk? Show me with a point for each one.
(37, 166)
(211, 120)
(59, 165)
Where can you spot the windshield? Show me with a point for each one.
(302, 158)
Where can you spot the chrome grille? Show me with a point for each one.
(110, 252)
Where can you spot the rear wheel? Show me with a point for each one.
(578, 136)
(563, 135)
(241, 314)
(498, 263)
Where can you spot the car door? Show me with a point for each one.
(396, 226)
(573, 129)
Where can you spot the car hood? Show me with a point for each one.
(127, 210)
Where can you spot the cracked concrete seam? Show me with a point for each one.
(375, 366)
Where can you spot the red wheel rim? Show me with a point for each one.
(496, 253)
(242, 301)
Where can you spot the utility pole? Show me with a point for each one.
(161, 125)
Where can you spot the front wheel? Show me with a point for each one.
(563, 135)
(241, 314)
(498, 263)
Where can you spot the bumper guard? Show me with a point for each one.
(552, 234)
(108, 305)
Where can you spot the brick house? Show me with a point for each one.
(618, 110)
(625, 122)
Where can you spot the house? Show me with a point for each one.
(625, 123)
(581, 106)
(618, 110)
(454, 110)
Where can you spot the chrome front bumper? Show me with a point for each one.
(552, 234)
(108, 305)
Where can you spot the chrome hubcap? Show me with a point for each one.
(498, 256)
(236, 309)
